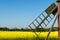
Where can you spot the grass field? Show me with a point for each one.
(20, 35)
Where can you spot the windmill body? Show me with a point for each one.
(58, 1)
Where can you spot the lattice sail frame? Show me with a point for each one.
(44, 16)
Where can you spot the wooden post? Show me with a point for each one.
(51, 27)
(58, 1)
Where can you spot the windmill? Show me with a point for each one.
(51, 10)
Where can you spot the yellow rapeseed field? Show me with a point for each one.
(21, 34)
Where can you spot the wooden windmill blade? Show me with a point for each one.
(52, 9)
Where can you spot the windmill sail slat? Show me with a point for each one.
(47, 20)
(36, 21)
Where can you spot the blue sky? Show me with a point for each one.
(20, 13)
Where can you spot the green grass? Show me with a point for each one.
(34, 38)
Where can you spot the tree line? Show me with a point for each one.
(26, 29)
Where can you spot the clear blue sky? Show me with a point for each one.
(20, 13)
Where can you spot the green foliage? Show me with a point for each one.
(22, 29)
